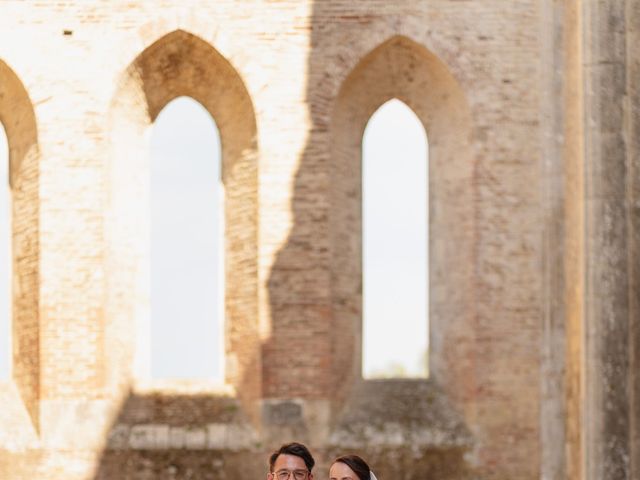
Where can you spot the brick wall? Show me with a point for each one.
(16, 115)
(291, 85)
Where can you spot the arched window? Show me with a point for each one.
(395, 250)
(5, 259)
(187, 244)
(148, 90)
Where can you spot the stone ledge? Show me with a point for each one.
(213, 436)
(183, 387)
(399, 413)
(181, 410)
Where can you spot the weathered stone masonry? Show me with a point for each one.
(530, 107)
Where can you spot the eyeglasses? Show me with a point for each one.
(297, 474)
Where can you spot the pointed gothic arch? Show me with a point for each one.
(187, 244)
(403, 69)
(181, 64)
(395, 239)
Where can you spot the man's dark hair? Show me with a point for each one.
(357, 464)
(296, 449)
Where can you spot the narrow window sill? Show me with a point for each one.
(183, 387)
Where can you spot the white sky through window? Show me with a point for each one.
(395, 243)
(187, 235)
(187, 250)
(5, 259)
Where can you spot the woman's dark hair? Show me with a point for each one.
(357, 464)
(296, 449)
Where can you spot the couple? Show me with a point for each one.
(293, 461)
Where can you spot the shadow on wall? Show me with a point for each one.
(408, 429)
(18, 118)
(181, 436)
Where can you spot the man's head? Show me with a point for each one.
(292, 461)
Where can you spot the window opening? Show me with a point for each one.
(187, 244)
(395, 244)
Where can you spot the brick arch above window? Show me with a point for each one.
(181, 64)
(403, 69)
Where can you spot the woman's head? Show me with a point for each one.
(349, 467)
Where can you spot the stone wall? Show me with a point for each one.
(523, 311)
